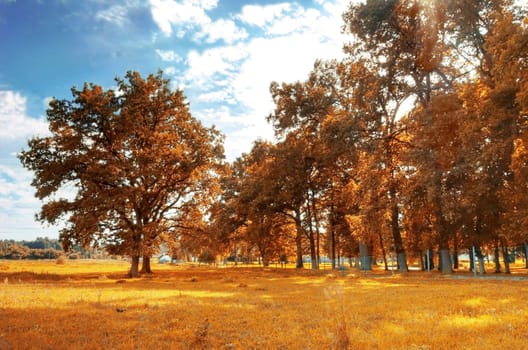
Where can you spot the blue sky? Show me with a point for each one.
(222, 53)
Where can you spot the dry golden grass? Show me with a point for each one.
(89, 305)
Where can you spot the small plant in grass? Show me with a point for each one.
(200, 341)
(334, 295)
(61, 260)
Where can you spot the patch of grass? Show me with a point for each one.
(80, 305)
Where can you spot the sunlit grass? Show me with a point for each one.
(90, 305)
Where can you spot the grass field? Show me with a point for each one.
(90, 305)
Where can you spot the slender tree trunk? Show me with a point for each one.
(332, 235)
(383, 252)
(311, 238)
(134, 267)
(298, 241)
(313, 253)
(526, 254)
(333, 249)
(505, 256)
(436, 190)
(396, 232)
(471, 261)
(496, 257)
(455, 252)
(317, 232)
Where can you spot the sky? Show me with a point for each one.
(223, 54)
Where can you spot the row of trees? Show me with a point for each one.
(356, 170)
(414, 141)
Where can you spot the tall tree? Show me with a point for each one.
(121, 167)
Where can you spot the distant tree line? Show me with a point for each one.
(40, 248)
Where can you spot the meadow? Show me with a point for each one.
(91, 305)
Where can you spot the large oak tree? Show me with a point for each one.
(123, 167)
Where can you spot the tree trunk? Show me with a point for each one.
(333, 241)
(134, 267)
(313, 254)
(526, 254)
(396, 232)
(383, 252)
(265, 261)
(471, 261)
(402, 262)
(298, 242)
(334, 265)
(365, 259)
(311, 235)
(455, 253)
(480, 258)
(445, 261)
(496, 257)
(505, 256)
(145, 267)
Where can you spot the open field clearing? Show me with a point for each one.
(89, 305)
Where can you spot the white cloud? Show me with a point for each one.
(13, 117)
(16, 194)
(217, 96)
(232, 80)
(262, 15)
(167, 13)
(117, 14)
(168, 55)
(213, 63)
(190, 16)
(222, 30)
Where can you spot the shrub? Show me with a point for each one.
(60, 260)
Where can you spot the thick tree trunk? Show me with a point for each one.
(134, 267)
(145, 266)
(402, 262)
(480, 258)
(365, 260)
(445, 261)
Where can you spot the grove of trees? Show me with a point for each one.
(413, 142)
